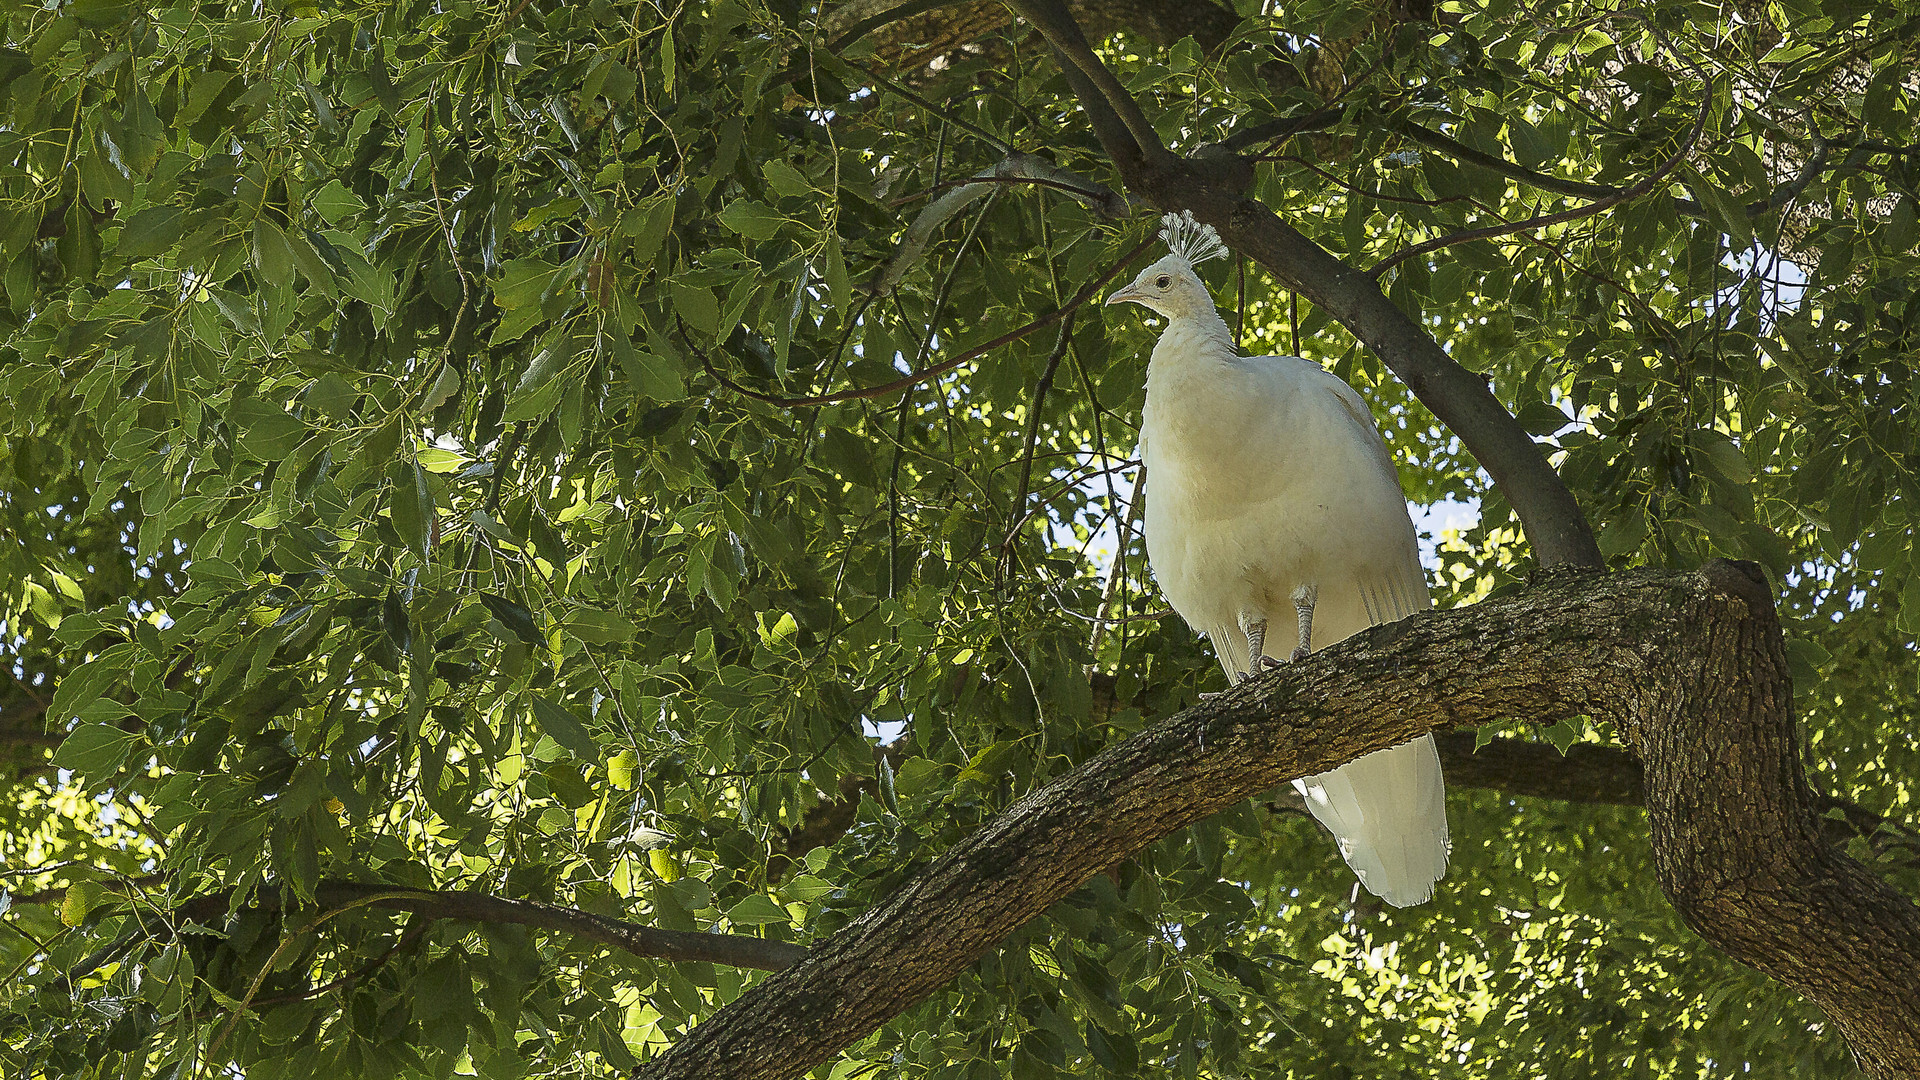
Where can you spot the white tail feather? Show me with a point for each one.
(1388, 811)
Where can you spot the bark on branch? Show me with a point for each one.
(1690, 667)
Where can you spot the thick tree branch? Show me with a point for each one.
(1690, 667)
(1110, 109)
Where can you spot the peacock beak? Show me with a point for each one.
(1126, 295)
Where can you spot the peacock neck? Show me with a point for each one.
(1190, 344)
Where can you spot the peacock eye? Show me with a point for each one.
(1162, 281)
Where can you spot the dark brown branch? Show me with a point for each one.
(1275, 131)
(1460, 151)
(1690, 667)
(1114, 115)
(882, 18)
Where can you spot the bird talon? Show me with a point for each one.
(1299, 653)
(1274, 661)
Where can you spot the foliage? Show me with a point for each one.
(374, 512)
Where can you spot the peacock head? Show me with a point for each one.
(1170, 287)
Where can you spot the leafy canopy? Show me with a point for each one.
(375, 512)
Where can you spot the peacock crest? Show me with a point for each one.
(1190, 240)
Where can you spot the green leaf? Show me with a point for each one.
(335, 203)
(152, 231)
(267, 431)
(399, 626)
(839, 291)
(96, 751)
(598, 627)
(753, 220)
(566, 728)
(758, 910)
(652, 223)
(786, 180)
(669, 62)
(445, 385)
(89, 681)
(1115, 1052)
(518, 620)
(332, 395)
(412, 508)
(698, 306)
(1724, 458)
(621, 768)
(82, 897)
(272, 255)
(521, 291)
(651, 375)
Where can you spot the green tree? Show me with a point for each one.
(480, 479)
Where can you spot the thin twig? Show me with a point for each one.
(1040, 390)
(1116, 574)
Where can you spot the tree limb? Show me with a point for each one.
(679, 946)
(1690, 667)
(1108, 105)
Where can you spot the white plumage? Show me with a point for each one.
(1272, 507)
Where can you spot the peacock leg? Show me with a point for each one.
(1303, 599)
(1256, 631)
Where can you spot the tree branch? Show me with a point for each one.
(1272, 131)
(679, 946)
(1691, 667)
(1109, 107)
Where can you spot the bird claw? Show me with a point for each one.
(1274, 661)
(1299, 653)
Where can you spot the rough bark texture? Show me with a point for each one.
(1586, 773)
(1689, 666)
(1737, 844)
